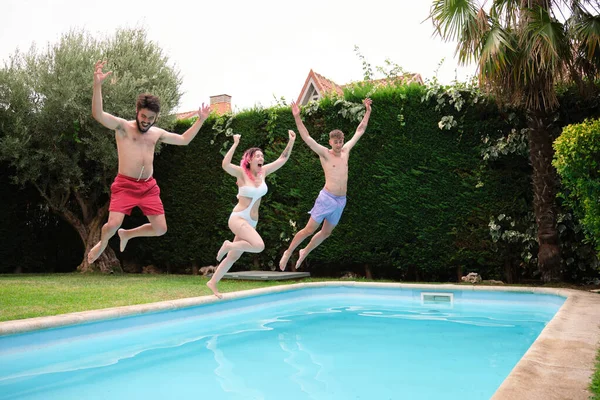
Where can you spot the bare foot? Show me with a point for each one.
(213, 287)
(95, 252)
(301, 255)
(223, 250)
(124, 239)
(284, 260)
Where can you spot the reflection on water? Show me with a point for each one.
(230, 382)
(308, 373)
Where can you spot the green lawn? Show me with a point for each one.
(595, 386)
(27, 296)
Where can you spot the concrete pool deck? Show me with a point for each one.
(558, 365)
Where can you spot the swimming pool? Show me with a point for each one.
(313, 343)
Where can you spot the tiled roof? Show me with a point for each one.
(326, 84)
(187, 114)
(218, 107)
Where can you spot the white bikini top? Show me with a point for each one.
(253, 192)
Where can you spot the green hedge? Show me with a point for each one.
(420, 199)
(33, 240)
(577, 160)
(413, 198)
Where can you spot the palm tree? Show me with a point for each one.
(523, 48)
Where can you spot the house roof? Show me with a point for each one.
(187, 114)
(327, 85)
(219, 104)
(324, 85)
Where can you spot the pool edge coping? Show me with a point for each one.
(558, 365)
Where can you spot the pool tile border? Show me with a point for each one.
(558, 365)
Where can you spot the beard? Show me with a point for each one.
(140, 127)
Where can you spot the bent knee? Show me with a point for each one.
(326, 234)
(307, 231)
(259, 246)
(160, 230)
(112, 226)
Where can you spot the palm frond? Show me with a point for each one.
(545, 44)
(505, 12)
(587, 33)
(584, 31)
(450, 17)
(524, 47)
(498, 45)
(473, 38)
(461, 21)
(498, 65)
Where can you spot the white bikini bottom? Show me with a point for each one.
(246, 215)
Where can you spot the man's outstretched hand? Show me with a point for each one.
(204, 111)
(367, 102)
(295, 109)
(99, 75)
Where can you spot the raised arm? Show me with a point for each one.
(362, 127)
(106, 119)
(285, 155)
(187, 136)
(233, 170)
(314, 146)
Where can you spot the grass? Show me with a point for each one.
(595, 385)
(28, 296)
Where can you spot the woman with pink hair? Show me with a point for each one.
(250, 175)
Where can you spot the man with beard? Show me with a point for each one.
(134, 184)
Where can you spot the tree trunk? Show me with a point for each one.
(541, 136)
(368, 273)
(90, 235)
(459, 273)
(508, 271)
(107, 263)
(255, 264)
(89, 231)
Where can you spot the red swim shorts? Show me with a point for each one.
(127, 192)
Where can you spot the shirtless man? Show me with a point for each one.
(134, 184)
(332, 199)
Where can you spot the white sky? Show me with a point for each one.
(251, 50)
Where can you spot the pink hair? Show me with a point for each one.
(245, 163)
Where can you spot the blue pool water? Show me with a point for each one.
(318, 343)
